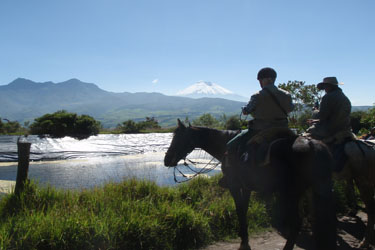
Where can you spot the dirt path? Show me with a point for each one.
(350, 232)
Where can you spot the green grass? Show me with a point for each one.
(128, 215)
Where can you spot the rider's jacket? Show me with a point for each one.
(334, 115)
(268, 112)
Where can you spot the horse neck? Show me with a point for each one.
(212, 141)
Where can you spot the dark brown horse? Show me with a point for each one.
(295, 164)
(360, 167)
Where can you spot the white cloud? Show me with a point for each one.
(155, 81)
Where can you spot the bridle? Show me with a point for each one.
(211, 165)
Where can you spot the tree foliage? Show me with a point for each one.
(9, 127)
(63, 123)
(149, 123)
(369, 118)
(362, 121)
(130, 126)
(206, 120)
(304, 98)
(233, 123)
(355, 121)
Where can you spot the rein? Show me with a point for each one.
(207, 168)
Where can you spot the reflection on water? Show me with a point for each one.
(69, 163)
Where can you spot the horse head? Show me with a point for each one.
(181, 145)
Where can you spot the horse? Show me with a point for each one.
(360, 167)
(295, 164)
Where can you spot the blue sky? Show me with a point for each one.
(166, 45)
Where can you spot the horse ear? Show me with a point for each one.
(180, 124)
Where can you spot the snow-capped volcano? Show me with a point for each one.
(203, 87)
(209, 89)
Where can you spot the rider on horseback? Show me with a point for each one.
(333, 123)
(269, 108)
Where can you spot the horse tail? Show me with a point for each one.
(325, 218)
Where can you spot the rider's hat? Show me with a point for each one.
(331, 80)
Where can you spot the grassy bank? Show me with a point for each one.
(129, 215)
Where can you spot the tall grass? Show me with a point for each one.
(128, 215)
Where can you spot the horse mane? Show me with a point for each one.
(206, 131)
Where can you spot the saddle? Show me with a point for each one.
(337, 143)
(358, 150)
(258, 148)
(340, 137)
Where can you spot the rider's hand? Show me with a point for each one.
(312, 121)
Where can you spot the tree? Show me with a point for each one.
(355, 121)
(304, 98)
(128, 127)
(9, 126)
(369, 118)
(206, 120)
(233, 123)
(368, 121)
(1, 127)
(63, 123)
(131, 126)
(150, 123)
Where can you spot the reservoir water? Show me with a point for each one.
(73, 164)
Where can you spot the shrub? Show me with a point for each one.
(206, 120)
(10, 127)
(233, 123)
(62, 123)
(129, 127)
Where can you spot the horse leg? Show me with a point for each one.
(294, 221)
(324, 227)
(350, 196)
(241, 198)
(366, 191)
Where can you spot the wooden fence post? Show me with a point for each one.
(23, 165)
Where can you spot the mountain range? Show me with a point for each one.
(24, 100)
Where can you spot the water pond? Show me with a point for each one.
(70, 164)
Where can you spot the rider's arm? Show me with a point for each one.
(250, 107)
(324, 111)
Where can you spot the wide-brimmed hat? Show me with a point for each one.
(329, 80)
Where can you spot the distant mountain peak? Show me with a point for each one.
(209, 89)
(20, 80)
(207, 83)
(73, 81)
(204, 87)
